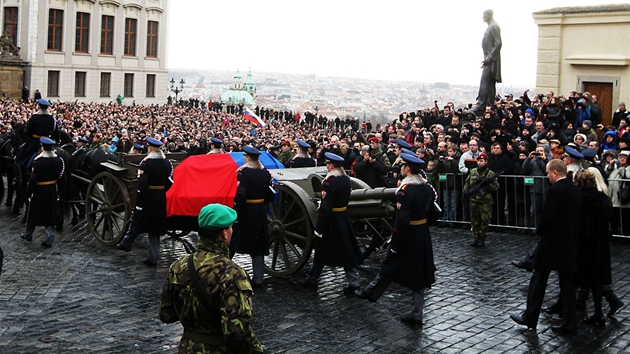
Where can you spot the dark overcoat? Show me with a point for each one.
(150, 214)
(409, 260)
(47, 176)
(558, 228)
(251, 235)
(337, 246)
(299, 161)
(39, 125)
(593, 250)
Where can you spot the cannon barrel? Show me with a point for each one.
(376, 193)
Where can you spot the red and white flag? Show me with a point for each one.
(250, 116)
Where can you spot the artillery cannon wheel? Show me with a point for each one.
(290, 233)
(108, 208)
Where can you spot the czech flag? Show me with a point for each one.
(204, 179)
(250, 116)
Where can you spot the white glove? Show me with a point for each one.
(318, 234)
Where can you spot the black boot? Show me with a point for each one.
(481, 243)
(580, 302)
(475, 243)
(125, 243)
(613, 302)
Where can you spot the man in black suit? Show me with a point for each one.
(557, 250)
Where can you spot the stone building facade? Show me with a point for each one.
(92, 50)
(584, 49)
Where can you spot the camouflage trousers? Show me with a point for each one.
(480, 213)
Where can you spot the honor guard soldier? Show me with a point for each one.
(573, 160)
(76, 165)
(409, 260)
(137, 149)
(209, 294)
(47, 179)
(154, 180)
(253, 191)
(302, 158)
(41, 124)
(400, 146)
(335, 244)
(217, 145)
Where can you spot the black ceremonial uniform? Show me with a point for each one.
(249, 202)
(409, 261)
(48, 174)
(337, 246)
(154, 173)
(334, 243)
(302, 159)
(40, 124)
(250, 231)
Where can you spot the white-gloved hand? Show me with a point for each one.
(318, 234)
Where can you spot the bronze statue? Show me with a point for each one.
(491, 64)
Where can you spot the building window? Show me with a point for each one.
(131, 28)
(79, 84)
(152, 39)
(107, 35)
(11, 22)
(128, 85)
(151, 85)
(106, 79)
(53, 84)
(55, 26)
(83, 32)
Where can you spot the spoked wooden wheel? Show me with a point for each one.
(290, 234)
(107, 207)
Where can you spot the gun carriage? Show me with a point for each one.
(110, 194)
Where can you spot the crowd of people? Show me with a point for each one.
(430, 153)
(518, 135)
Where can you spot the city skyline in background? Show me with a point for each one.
(436, 42)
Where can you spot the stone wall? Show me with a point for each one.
(11, 79)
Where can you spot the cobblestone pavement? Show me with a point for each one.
(80, 296)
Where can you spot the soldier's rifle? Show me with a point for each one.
(478, 187)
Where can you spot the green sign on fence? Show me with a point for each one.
(442, 177)
(529, 181)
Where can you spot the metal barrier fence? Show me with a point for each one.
(517, 204)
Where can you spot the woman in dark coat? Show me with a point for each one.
(593, 250)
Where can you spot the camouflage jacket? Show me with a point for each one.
(285, 157)
(228, 291)
(477, 175)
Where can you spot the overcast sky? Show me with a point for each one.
(408, 40)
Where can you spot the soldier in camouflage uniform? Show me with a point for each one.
(220, 321)
(481, 200)
(287, 154)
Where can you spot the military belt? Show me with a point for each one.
(337, 210)
(255, 201)
(36, 136)
(156, 187)
(46, 183)
(418, 222)
(205, 338)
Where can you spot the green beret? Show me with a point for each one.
(216, 217)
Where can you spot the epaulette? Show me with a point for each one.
(404, 186)
(241, 168)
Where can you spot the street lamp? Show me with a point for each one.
(176, 89)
